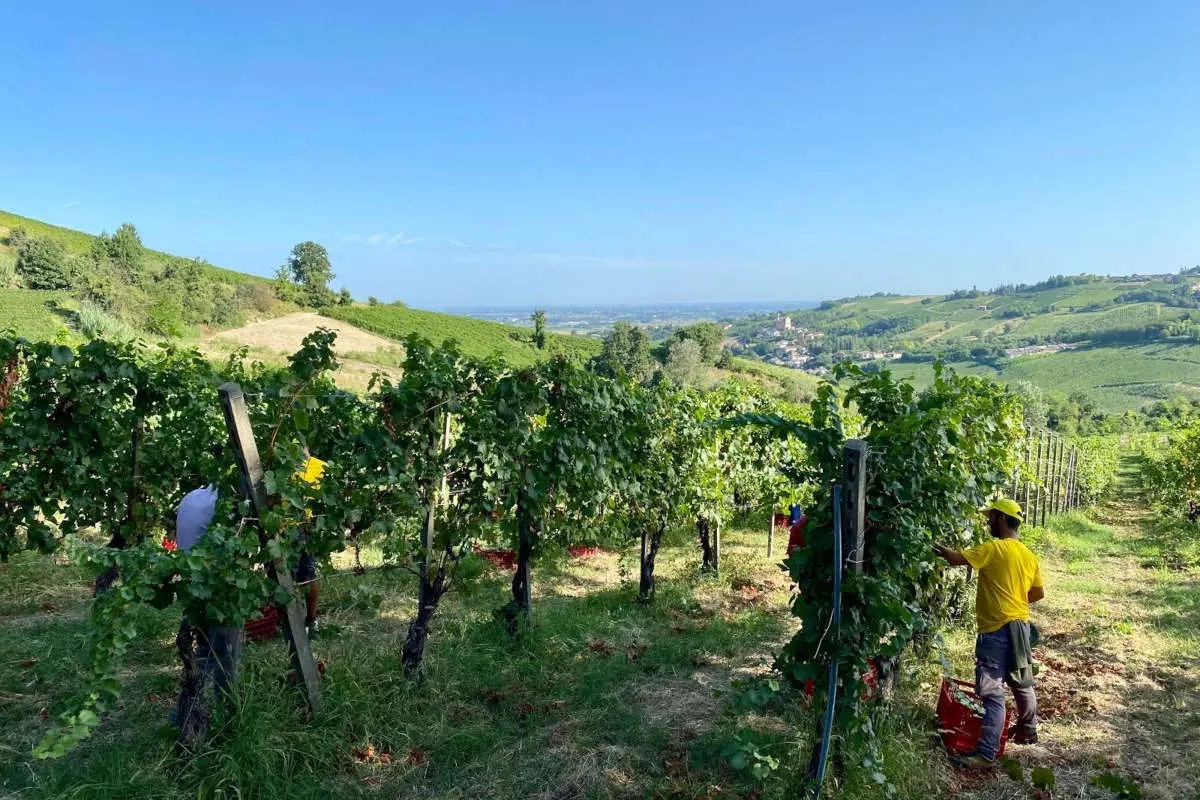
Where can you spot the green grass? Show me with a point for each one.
(790, 383)
(602, 699)
(34, 314)
(77, 242)
(1116, 682)
(478, 338)
(1116, 378)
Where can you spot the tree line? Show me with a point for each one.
(122, 286)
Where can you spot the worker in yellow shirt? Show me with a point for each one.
(305, 574)
(1009, 580)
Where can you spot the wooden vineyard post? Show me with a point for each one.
(771, 532)
(854, 502)
(245, 450)
(644, 589)
(1058, 478)
(1016, 479)
(1046, 479)
(717, 547)
(1071, 480)
(1025, 505)
(1037, 480)
(1054, 475)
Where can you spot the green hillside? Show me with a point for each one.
(477, 337)
(1116, 378)
(32, 313)
(1125, 341)
(78, 243)
(789, 383)
(114, 285)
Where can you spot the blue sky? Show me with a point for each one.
(453, 154)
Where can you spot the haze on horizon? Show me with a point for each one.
(461, 155)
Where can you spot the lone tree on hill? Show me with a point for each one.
(539, 329)
(309, 269)
(627, 348)
(43, 264)
(125, 248)
(685, 362)
(707, 335)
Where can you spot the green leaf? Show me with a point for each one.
(1042, 778)
(1013, 769)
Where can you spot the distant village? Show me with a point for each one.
(791, 345)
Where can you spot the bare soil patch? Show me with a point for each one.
(285, 334)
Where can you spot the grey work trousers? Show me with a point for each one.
(993, 659)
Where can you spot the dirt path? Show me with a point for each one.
(944, 332)
(361, 354)
(284, 334)
(1119, 681)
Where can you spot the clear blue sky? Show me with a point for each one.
(454, 154)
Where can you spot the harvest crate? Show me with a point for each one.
(960, 724)
(265, 625)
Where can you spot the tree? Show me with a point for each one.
(627, 349)
(685, 362)
(344, 297)
(708, 335)
(17, 238)
(43, 264)
(308, 267)
(125, 248)
(539, 329)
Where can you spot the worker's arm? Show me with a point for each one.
(1036, 593)
(955, 558)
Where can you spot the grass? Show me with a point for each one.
(1116, 378)
(34, 314)
(1117, 685)
(478, 338)
(602, 694)
(603, 698)
(789, 383)
(77, 242)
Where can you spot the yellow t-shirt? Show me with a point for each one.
(1007, 571)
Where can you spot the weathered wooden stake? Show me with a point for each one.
(1071, 480)
(771, 532)
(1025, 505)
(717, 548)
(1058, 477)
(1037, 480)
(1046, 478)
(854, 503)
(245, 450)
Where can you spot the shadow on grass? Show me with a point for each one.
(566, 711)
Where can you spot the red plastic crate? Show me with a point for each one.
(265, 625)
(960, 725)
(584, 551)
(504, 559)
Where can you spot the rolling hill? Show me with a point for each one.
(477, 337)
(1126, 341)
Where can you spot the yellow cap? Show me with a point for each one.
(1006, 506)
(314, 468)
